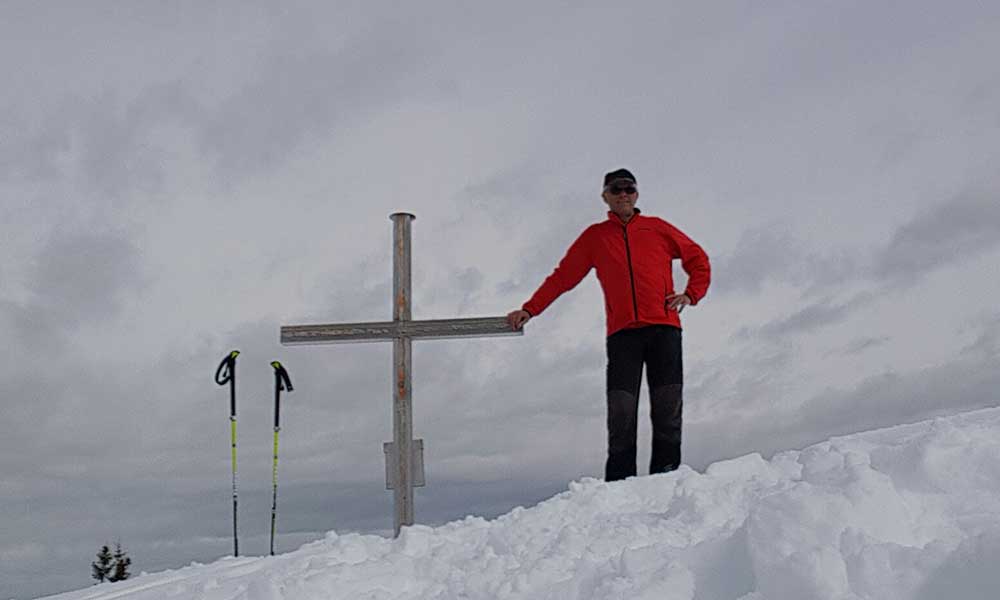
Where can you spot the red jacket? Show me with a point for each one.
(634, 268)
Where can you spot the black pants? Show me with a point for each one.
(659, 347)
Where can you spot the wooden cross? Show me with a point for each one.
(404, 456)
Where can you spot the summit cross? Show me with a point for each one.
(404, 456)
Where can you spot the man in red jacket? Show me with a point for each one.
(632, 254)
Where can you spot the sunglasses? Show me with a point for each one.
(618, 187)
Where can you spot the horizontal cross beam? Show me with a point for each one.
(344, 333)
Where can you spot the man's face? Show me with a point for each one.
(620, 196)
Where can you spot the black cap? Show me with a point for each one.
(619, 174)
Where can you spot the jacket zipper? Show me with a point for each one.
(631, 275)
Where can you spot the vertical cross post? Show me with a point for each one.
(404, 455)
(402, 355)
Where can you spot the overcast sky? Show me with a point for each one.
(178, 181)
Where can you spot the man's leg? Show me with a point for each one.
(665, 376)
(624, 377)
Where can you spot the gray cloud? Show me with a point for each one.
(950, 232)
(888, 399)
(947, 233)
(807, 319)
(297, 97)
(503, 194)
(987, 342)
(860, 345)
(85, 276)
(773, 254)
(104, 145)
(364, 292)
(761, 255)
(469, 283)
(32, 155)
(119, 144)
(73, 280)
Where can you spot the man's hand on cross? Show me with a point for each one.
(517, 318)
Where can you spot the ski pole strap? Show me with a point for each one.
(224, 374)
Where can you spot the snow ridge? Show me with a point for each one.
(909, 512)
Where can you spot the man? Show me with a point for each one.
(632, 254)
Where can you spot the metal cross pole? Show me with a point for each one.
(404, 456)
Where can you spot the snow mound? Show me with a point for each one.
(907, 512)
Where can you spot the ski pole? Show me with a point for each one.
(281, 382)
(226, 373)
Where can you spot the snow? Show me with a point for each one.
(906, 512)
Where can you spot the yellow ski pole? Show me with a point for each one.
(226, 373)
(281, 382)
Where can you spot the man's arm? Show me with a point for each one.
(695, 263)
(571, 270)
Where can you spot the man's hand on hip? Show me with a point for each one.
(517, 318)
(678, 302)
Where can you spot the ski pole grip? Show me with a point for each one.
(281, 378)
(281, 382)
(224, 373)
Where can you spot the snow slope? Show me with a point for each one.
(907, 512)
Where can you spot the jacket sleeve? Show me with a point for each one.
(694, 260)
(570, 271)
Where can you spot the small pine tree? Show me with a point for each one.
(122, 563)
(101, 568)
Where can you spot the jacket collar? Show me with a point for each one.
(614, 218)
